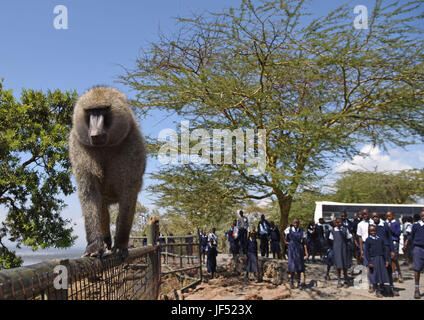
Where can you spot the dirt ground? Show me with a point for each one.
(227, 286)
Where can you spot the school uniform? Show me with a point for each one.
(396, 231)
(329, 260)
(242, 225)
(211, 253)
(313, 241)
(232, 241)
(362, 231)
(320, 230)
(275, 237)
(296, 255)
(340, 238)
(356, 248)
(252, 256)
(214, 237)
(349, 226)
(203, 242)
(263, 229)
(406, 236)
(417, 239)
(377, 256)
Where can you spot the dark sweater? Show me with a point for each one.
(417, 235)
(252, 246)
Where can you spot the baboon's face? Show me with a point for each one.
(98, 122)
(102, 117)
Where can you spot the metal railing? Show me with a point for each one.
(181, 257)
(136, 277)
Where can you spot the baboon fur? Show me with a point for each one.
(111, 172)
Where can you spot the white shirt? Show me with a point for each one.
(381, 223)
(348, 235)
(407, 228)
(287, 231)
(214, 237)
(362, 230)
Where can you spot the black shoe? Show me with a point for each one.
(379, 294)
(371, 289)
(417, 294)
(291, 285)
(346, 285)
(395, 292)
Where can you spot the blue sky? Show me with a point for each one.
(102, 35)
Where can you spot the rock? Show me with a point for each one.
(253, 296)
(282, 295)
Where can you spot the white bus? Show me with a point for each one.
(330, 210)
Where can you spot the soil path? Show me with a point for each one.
(227, 286)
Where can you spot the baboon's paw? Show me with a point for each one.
(94, 249)
(123, 252)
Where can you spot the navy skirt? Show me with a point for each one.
(252, 262)
(378, 274)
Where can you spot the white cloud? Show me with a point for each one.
(372, 158)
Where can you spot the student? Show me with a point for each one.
(362, 232)
(252, 256)
(340, 236)
(322, 231)
(346, 222)
(211, 252)
(232, 241)
(295, 239)
(274, 235)
(417, 240)
(242, 226)
(330, 256)
(213, 236)
(378, 260)
(349, 226)
(356, 247)
(263, 229)
(407, 246)
(313, 241)
(383, 232)
(396, 231)
(203, 244)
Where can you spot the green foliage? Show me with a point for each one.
(319, 88)
(379, 187)
(34, 169)
(204, 197)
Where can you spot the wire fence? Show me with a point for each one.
(138, 276)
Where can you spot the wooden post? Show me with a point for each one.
(166, 250)
(152, 273)
(181, 254)
(200, 255)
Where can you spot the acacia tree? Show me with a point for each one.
(34, 170)
(319, 87)
(379, 187)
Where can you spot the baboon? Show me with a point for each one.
(108, 160)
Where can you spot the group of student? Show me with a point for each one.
(373, 239)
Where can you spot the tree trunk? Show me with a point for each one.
(284, 203)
